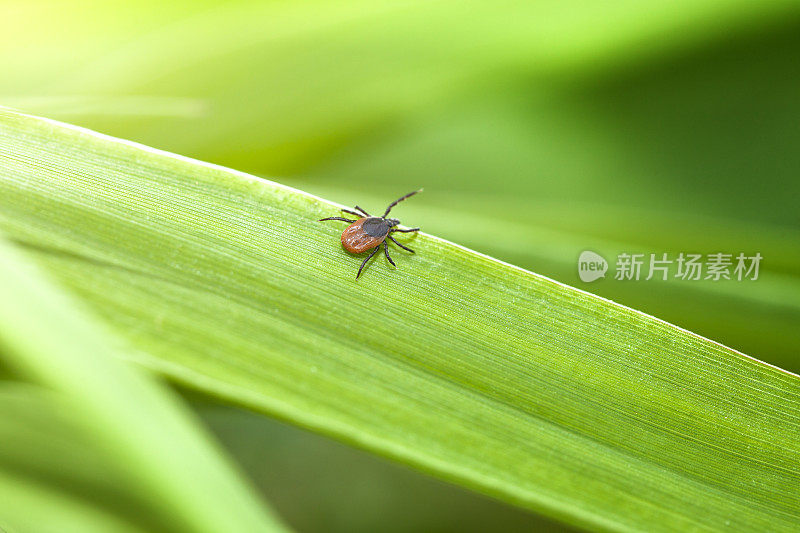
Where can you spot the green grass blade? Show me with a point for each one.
(28, 506)
(561, 119)
(53, 475)
(479, 372)
(111, 419)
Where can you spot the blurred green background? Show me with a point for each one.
(538, 129)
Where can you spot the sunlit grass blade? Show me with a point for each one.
(591, 107)
(481, 373)
(89, 427)
(548, 235)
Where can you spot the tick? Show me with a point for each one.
(368, 232)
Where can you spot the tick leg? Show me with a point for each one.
(404, 230)
(386, 251)
(400, 245)
(337, 218)
(367, 259)
(352, 212)
(365, 213)
(391, 205)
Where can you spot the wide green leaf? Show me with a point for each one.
(553, 118)
(481, 373)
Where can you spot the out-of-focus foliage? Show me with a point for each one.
(89, 444)
(328, 487)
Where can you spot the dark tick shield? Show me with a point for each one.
(368, 232)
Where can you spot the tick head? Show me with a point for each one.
(392, 222)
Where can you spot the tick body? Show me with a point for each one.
(365, 234)
(368, 233)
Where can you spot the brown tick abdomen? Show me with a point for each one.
(355, 240)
